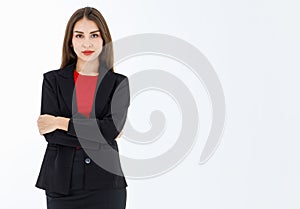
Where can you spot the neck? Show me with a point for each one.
(87, 67)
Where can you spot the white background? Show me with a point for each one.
(254, 48)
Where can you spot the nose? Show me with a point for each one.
(86, 43)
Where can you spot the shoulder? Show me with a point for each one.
(51, 73)
(121, 81)
(49, 77)
(121, 88)
(120, 77)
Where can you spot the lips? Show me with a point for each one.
(87, 52)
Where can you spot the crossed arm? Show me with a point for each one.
(63, 130)
(48, 123)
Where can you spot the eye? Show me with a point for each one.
(79, 36)
(94, 35)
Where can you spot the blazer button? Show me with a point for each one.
(87, 160)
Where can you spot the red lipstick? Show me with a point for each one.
(87, 52)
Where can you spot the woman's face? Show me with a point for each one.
(86, 40)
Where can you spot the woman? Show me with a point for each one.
(78, 121)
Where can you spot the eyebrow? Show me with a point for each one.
(76, 31)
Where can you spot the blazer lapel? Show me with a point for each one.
(104, 88)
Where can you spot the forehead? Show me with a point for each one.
(85, 25)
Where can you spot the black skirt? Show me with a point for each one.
(86, 199)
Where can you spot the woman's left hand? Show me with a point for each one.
(119, 135)
(46, 123)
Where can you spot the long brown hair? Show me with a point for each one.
(68, 54)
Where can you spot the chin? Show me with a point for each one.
(87, 59)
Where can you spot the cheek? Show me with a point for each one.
(76, 45)
(75, 42)
(98, 44)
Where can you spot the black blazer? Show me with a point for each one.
(109, 112)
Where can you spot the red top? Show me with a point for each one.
(85, 89)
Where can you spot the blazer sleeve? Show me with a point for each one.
(50, 105)
(107, 128)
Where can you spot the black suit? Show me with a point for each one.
(96, 133)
